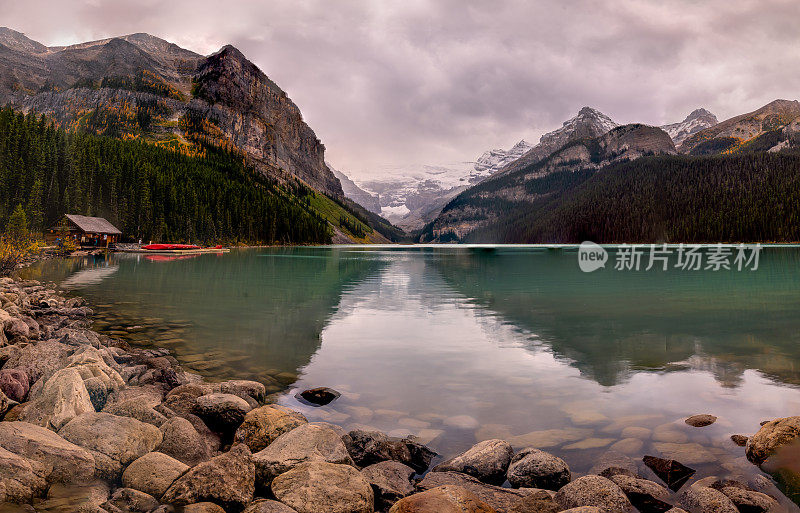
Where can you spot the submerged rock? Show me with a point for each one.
(701, 420)
(673, 473)
(127, 500)
(318, 396)
(739, 440)
(317, 486)
(532, 468)
(443, 499)
(486, 461)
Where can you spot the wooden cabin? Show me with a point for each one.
(87, 231)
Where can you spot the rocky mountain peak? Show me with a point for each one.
(20, 42)
(697, 120)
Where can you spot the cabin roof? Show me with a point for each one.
(93, 224)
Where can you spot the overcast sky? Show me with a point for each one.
(400, 82)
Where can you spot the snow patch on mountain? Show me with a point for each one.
(699, 119)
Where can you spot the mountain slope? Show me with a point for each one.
(772, 127)
(369, 201)
(140, 86)
(491, 201)
(587, 124)
(697, 120)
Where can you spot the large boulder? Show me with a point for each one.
(308, 442)
(702, 499)
(532, 468)
(18, 480)
(137, 410)
(772, 436)
(499, 498)
(317, 486)
(368, 447)
(749, 501)
(646, 496)
(51, 457)
(487, 461)
(183, 442)
(15, 384)
(222, 412)
(390, 481)
(444, 499)
(227, 480)
(40, 359)
(153, 473)
(113, 441)
(62, 398)
(594, 491)
(263, 425)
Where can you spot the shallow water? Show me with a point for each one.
(458, 344)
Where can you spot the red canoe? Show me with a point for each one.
(162, 247)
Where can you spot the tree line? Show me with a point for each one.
(148, 192)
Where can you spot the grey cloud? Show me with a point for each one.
(430, 81)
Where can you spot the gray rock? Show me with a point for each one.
(317, 486)
(51, 457)
(701, 499)
(267, 506)
(153, 473)
(227, 480)
(594, 491)
(18, 480)
(646, 496)
(532, 468)
(488, 461)
(499, 498)
(40, 359)
(263, 425)
(772, 436)
(390, 481)
(222, 412)
(113, 441)
(443, 499)
(244, 388)
(308, 442)
(368, 447)
(62, 398)
(135, 409)
(127, 500)
(537, 501)
(182, 441)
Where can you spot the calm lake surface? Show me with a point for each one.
(457, 344)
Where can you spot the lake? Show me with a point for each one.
(458, 344)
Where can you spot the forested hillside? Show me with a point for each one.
(737, 198)
(147, 191)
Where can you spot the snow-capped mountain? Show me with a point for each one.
(494, 160)
(410, 196)
(699, 119)
(588, 124)
(369, 201)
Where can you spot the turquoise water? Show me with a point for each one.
(458, 344)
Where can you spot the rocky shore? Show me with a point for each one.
(91, 424)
